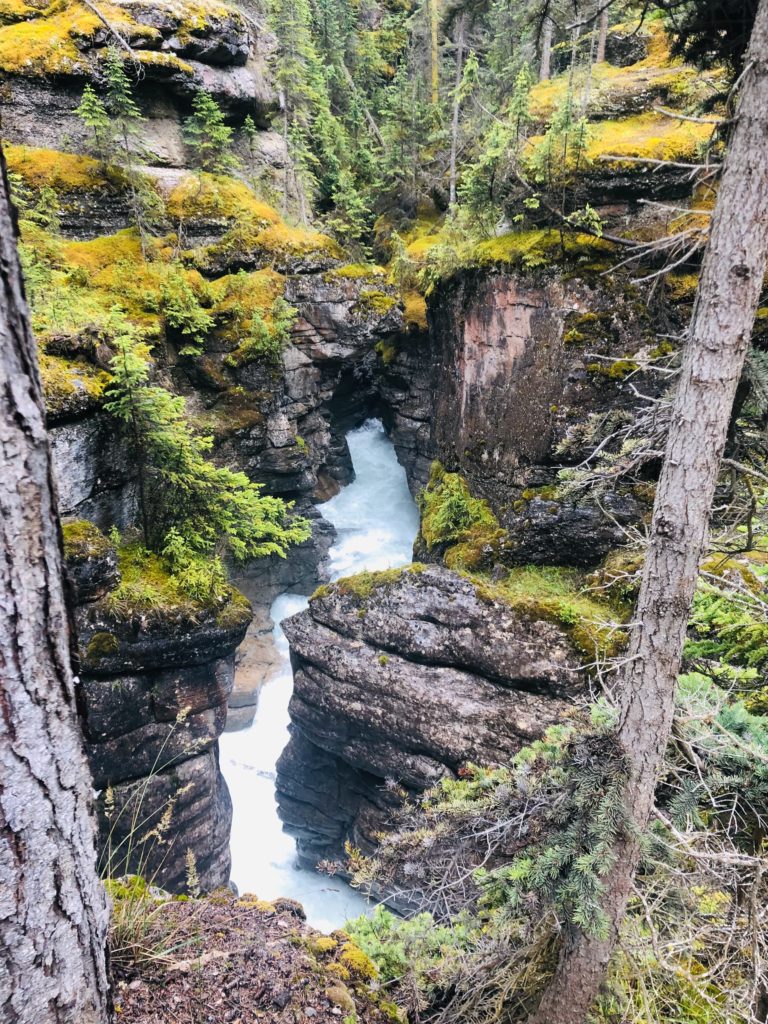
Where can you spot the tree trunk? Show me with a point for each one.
(434, 51)
(602, 37)
(460, 31)
(546, 49)
(723, 316)
(53, 910)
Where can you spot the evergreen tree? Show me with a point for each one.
(208, 135)
(127, 120)
(190, 507)
(120, 102)
(95, 117)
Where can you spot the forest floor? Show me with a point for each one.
(228, 960)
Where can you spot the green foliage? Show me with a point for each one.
(191, 508)
(265, 339)
(728, 632)
(208, 135)
(448, 510)
(580, 774)
(183, 312)
(94, 115)
(414, 951)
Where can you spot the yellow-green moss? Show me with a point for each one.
(338, 994)
(284, 240)
(102, 645)
(250, 902)
(387, 351)
(65, 172)
(163, 59)
(359, 965)
(70, 384)
(83, 540)
(648, 136)
(236, 613)
(535, 248)
(212, 196)
(356, 272)
(451, 516)
(238, 297)
(559, 595)
(414, 311)
(362, 585)
(147, 587)
(320, 945)
(16, 10)
(47, 45)
(97, 254)
(619, 369)
(372, 302)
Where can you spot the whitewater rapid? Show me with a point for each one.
(376, 523)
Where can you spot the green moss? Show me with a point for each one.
(559, 595)
(148, 588)
(464, 526)
(548, 492)
(619, 369)
(374, 303)
(364, 584)
(102, 645)
(236, 613)
(71, 385)
(83, 540)
(383, 660)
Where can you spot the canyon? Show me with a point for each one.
(503, 376)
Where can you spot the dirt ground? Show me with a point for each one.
(239, 960)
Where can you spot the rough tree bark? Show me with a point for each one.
(602, 36)
(546, 49)
(723, 316)
(53, 910)
(460, 34)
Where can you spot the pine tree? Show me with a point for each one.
(190, 507)
(120, 102)
(127, 120)
(95, 117)
(208, 135)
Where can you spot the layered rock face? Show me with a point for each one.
(178, 50)
(154, 685)
(400, 678)
(519, 374)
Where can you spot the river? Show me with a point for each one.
(376, 522)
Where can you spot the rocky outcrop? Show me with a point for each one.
(522, 374)
(400, 678)
(154, 685)
(177, 50)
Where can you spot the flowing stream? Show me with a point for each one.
(376, 522)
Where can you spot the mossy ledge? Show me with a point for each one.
(364, 584)
(549, 593)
